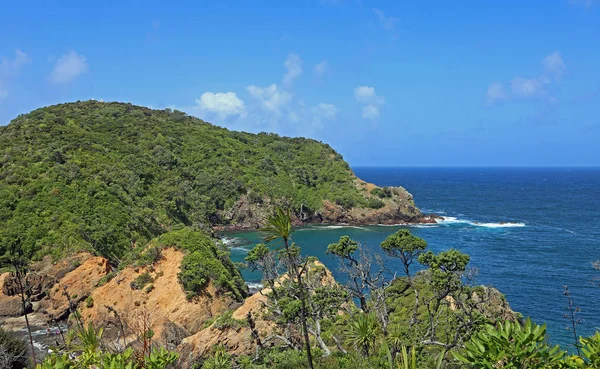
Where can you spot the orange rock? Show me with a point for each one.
(78, 283)
(164, 306)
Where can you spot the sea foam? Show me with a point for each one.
(455, 220)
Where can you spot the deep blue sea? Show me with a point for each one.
(529, 231)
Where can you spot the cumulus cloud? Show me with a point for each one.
(370, 112)
(553, 68)
(367, 96)
(526, 87)
(293, 65)
(496, 93)
(272, 98)
(222, 104)
(10, 68)
(554, 65)
(388, 23)
(321, 69)
(68, 67)
(322, 112)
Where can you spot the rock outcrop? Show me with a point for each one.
(161, 304)
(398, 208)
(76, 286)
(10, 303)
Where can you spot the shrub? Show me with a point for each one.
(107, 278)
(374, 203)
(13, 351)
(140, 281)
(226, 320)
(89, 302)
(382, 192)
(203, 262)
(152, 256)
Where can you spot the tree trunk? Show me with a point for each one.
(303, 320)
(24, 306)
(317, 334)
(302, 309)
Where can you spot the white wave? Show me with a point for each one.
(455, 220)
(425, 225)
(239, 249)
(336, 226)
(228, 240)
(254, 287)
(501, 225)
(411, 225)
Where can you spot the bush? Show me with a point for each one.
(141, 280)
(89, 302)
(13, 351)
(374, 203)
(383, 193)
(204, 262)
(107, 278)
(152, 256)
(226, 321)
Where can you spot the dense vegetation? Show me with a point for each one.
(104, 176)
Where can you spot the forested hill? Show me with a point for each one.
(107, 176)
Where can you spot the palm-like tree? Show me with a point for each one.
(362, 332)
(279, 225)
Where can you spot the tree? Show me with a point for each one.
(359, 268)
(279, 225)
(406, 247)
(20, 265)
(263, 259)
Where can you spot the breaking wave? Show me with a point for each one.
(455, 220)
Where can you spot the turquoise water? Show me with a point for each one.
(529, 232)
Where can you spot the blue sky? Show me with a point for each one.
(398, 83)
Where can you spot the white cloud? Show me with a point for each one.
(367, 95)
(526, 87)
(10, 68)
(321, 68)
(223, 104)
(388, 23)
(370, 112)
(322, 112)
(554, 65)
(496, 93)
(293, 64)
(272, 98)
(68, 67)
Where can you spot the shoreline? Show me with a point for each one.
(233, 228)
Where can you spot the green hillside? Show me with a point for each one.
(108, 176)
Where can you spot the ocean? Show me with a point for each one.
(529, 232)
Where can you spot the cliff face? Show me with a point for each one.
(114, 301)
(398, 208)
